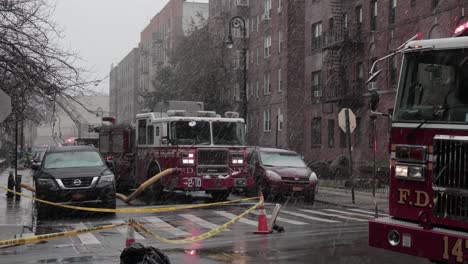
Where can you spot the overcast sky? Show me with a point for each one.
(102, 32)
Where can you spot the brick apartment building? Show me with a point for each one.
(132, 77)
(124, 93)
(307, 59)
(274, 62)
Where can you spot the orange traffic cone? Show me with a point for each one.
(130, 239)
(262, 220)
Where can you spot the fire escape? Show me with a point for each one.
(341, 48)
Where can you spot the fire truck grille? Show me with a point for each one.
(454, 206)
(213, 157)
(451, 163)
(450, 178)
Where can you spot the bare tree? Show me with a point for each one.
(34, 70)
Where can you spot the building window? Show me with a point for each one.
(373, 14)
(258, 52)
(345, 21)
(393, 71)
(252, 25)
(267, 9)
(316, 84)
(413, 3)
(280, 40)
(331, 133)
(434, 4)
(258, 23)
(359, 15)
(316, 129)
(358, 132)
(392, 12)
(280, 120)
(317, 35)
(257, 89)
(267, 45)
(280, 81)
(247, 88)
(280, 6)
(267, 120)
(266, 84)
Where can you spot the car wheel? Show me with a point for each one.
(310, 197)
(41, 211)
(220, 196)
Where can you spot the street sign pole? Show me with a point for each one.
(348, 137)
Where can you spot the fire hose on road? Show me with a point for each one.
(132, 196)
(145, 185)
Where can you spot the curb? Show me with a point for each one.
(350, 206)
(360, 193)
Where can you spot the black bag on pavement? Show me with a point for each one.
(136, 253)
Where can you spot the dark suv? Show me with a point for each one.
(74, 175)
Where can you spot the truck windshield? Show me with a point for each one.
(191, 132)
(434, 87)
(228, 133)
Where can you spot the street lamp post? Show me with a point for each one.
(239, 22)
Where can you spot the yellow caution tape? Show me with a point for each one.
(195, 238)
(20, 241)
(129, 210)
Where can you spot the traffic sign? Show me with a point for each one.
(342, 120)
(5, 105)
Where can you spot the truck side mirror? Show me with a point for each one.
(374, 100)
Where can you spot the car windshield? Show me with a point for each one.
(73, 159)
(191, 132)
(434, 87)
(278, 159)
(228, 133)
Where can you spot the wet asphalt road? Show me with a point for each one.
(321, 233)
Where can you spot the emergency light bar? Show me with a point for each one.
(461, 30)
(176, 113)
(206, 114)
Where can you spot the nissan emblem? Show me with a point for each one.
(77, 182)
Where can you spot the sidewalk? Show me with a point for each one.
(15, 215)
(342, 197)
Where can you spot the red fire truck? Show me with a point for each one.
(209, 150)
(428, 200)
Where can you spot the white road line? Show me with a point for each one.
(281, 219)
(231, 216)
(334, 215)
(86, 238)
(159, 224)
(368, 212)
(201, 222)
(348, 213)
(309, 217)
(123, 230)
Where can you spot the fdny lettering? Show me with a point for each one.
(416, 198)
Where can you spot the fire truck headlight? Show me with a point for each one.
(416, 172)
(393, 238)
(401, 171)
(188, 161)
(237, 161)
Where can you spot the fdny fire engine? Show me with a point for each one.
(428, 201)
(208, 150)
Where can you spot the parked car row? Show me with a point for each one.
(78, 175)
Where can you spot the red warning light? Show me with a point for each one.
(109, 158)
(70, 140)
(460, 30)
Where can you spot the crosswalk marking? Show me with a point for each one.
(347, 213)
(86, 238)
(309, 217)
(232, 216)
(200, 222)
(161, 225)
(367, 212)
(334, 215)
(281, 219)
(123, 230)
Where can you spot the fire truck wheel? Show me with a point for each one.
(155, 191)
(220, 196)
